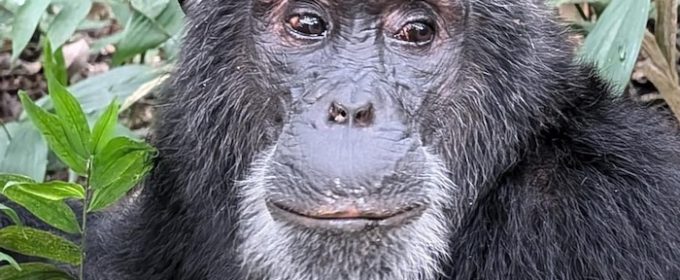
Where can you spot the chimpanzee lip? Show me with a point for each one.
(363, 220)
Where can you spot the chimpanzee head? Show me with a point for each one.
(360, 132)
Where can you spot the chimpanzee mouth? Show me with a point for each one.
(346, 220)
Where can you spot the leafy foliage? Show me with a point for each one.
(110, 166)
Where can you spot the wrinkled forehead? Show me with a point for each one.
(365, 5)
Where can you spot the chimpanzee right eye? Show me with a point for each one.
(307, 25)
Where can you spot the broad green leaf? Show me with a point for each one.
(54, 130)
(68, 109)
(143, 33)
(119, 167)
(55, 213)
(615, 41)
(25, 153)
(25, 22)
(13, 178)
(105, 127)
(150, 8)
(11, 214)
(53, 63)
(6, 258)
(34, 271)
(119, 83)
(68, 19)
(38, 243)
(54, 190)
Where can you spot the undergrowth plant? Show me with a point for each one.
(107, 167)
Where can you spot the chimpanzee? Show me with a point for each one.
(394, 139)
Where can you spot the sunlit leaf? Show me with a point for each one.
(34, 271)
(105, 127)
(120, 166)
(53, 63)
(54, 190)
(38, 243)
(55, 213)
(69, 111)
(53, 130)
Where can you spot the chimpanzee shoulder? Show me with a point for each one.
(596, 196)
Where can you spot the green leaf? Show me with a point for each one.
(25, 21)
(13, 178)
(120, 166)
(54, 190)
(143, 33)
(119, 83)
(68, 19)
(150, 8)
(615, 41)
(25, 153)
(69, 111)
(6, 258)
(55, 213)
(38, 243)
(34, 271)
(105, 127)
(11, 214)
(54, 131)
(54, 63)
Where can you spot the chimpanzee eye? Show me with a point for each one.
(416, 32)
(308, 25)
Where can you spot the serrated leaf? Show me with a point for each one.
(38, 243)
(615, 41)
(9, 212)
(54, 130)
(143, 33)
(69, 111)
(105, 127)
(54, 190)
(53, 63)
(150, 8)
(34, 271)
(6, 258)
(25, 22)
(68, 19)
(119, 167)
(55, 213)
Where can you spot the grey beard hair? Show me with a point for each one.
(273, 250)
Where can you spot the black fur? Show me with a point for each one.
(560, 180)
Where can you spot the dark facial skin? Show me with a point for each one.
(354, 81)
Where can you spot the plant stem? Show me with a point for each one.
(83, 236)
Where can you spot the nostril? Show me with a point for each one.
(337, 113)
(364, 116)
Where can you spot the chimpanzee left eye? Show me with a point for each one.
(416, 32)
(308, 25)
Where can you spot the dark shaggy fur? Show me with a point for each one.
(557, 179)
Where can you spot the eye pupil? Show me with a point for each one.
(307, 25)
(416, 32)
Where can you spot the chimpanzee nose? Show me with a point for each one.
(354, 115)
